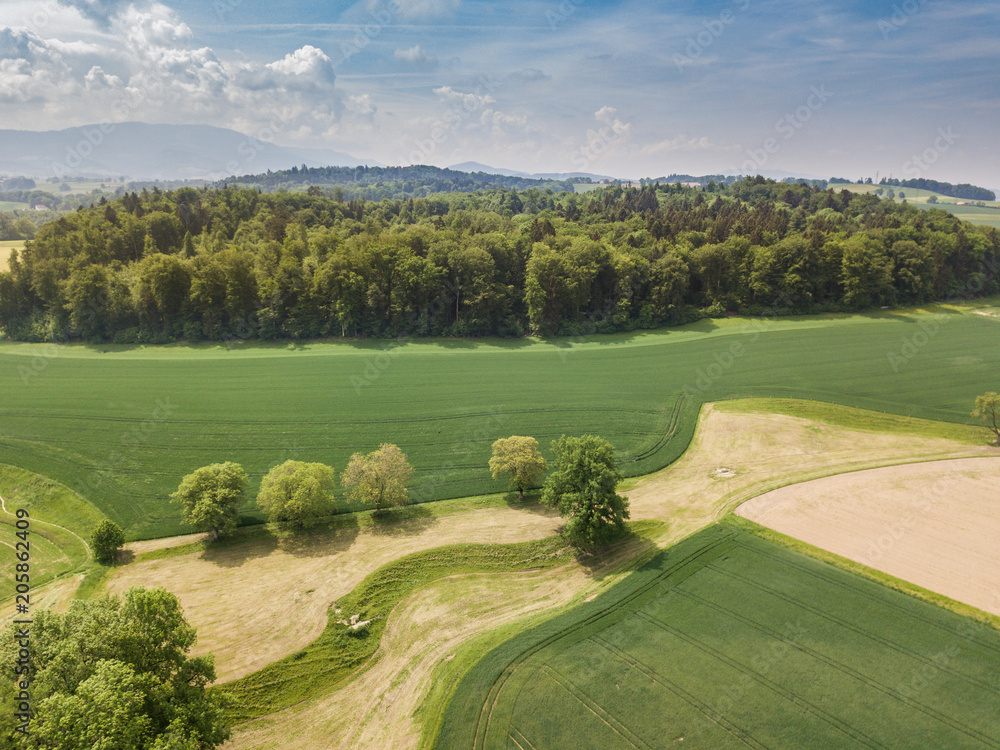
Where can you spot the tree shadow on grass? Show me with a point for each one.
(409, 520)
(332, 536)
(601, 562)
(530, 504)
(123, 557)
(235, 551)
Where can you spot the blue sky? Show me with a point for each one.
(636, 88)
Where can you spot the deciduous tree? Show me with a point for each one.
(106, 540)
(520, 458)
(297, 491)
(583, 489)
(114, 674)
(211, 497)
(378, 478)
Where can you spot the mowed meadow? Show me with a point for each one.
(121, 426)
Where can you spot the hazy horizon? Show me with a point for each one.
(904, 89)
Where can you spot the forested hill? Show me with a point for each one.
(396, 183)
(217, 264)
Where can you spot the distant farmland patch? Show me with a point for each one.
(6, 248)
(729, 641)
(966, 210)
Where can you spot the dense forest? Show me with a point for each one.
(214, 264)
(395, 183)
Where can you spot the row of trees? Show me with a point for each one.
(217, 264)
(966, 191)
(296, 491)
(582, 488)
(115, 673)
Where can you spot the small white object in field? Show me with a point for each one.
(355, 623)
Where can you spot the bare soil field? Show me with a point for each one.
(737, 455)
(933, 524)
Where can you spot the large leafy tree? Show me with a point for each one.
(106, 539)
(520, 458)
(378, 478)
(114, 674)
(211, 497)
(297, 491)
(582, 488)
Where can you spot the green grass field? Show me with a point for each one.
(60, 523)
(122, 426)
(729, 641)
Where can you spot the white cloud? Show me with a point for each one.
(468, 101)
(416, 56)
(608, 117)
(96, 79)
(149, 71)
(156, 26)
(308, 69)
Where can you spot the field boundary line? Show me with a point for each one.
(867, 595)
(3, 506)
(836, 621)
(595, 708)
(841, 726)
(850, 672)
(715, 717)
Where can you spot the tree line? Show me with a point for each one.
(157, 267)
(377, 183)
(298, 492)
(965, 191)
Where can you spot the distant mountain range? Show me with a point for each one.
(140, 151)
